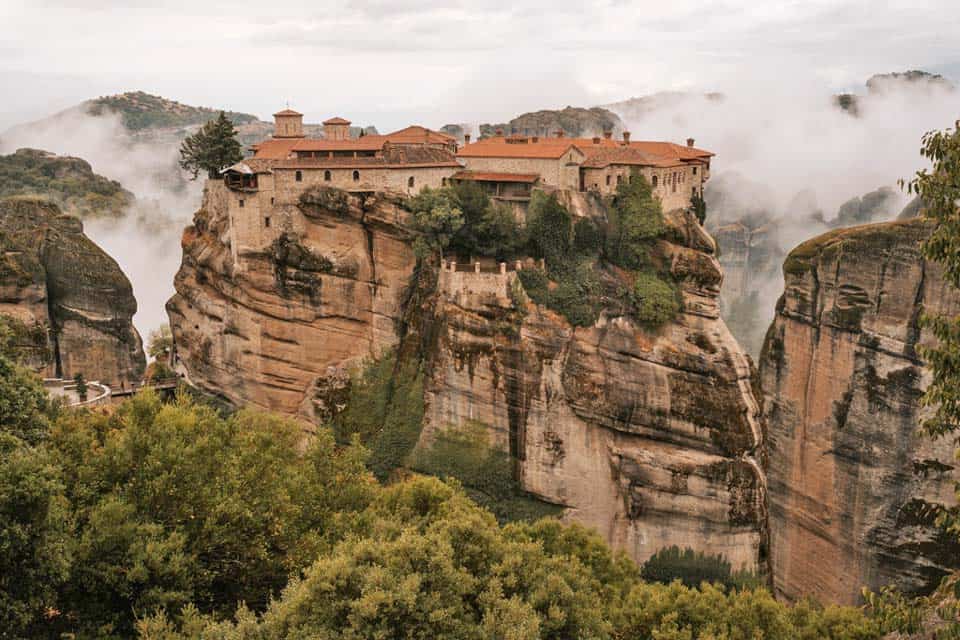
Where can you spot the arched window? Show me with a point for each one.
(619, 179)
(443, 182)
(654, 181)
(608, 180)
(356, 176)
(694, 171)
(298, 176)
(326, 175)
(410, 182)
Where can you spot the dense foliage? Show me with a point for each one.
(173, 522)
(68, 182)
(692, 568)
(464, 220)
(211, 149)
(578, 281)
(139, 110)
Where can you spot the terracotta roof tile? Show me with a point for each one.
(275, 147)
(288, 112)
(500, 147)
(415, 134)
(337, 120)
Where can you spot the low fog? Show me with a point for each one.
(146, 242)
(785, 152)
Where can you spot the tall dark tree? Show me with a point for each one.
(212, 148)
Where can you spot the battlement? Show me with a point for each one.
(477, 284)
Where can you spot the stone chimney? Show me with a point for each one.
(288, 124)
(626, 137)
(608, 133)
(558, 133)
(336, 129)
(690, 142)
(466, 138)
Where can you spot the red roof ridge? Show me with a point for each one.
(287, 112)
(336, 120)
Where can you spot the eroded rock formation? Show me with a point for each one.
(274, 324)
(853, 485)
(72, 302)
(647, 435)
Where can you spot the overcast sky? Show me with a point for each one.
(389, 62)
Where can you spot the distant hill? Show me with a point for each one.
(68, 182)
(634, 109)
(574, 121)
(881, 83)
(139, 110)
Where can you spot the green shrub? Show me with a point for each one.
(385, 411)
(550, 229)
(587, 238)
(694, 567)
(576, 294)
(635, 223)
(486, 472)
(654, 299)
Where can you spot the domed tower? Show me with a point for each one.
(288, 124)
(336, 129)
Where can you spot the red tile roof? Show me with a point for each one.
(336, 120)
(275, 147)
(415, 134)
(631, 155)
(391, 157)
(365, 143)
(493, 176)
(288, 112)
(500, 147)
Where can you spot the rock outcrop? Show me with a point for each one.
(853, 486)
(71, 300)
(647, 435)
(274, 325)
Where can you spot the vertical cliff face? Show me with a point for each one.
(852, 484)
(71, 300)
(278, 327)
(647, 435)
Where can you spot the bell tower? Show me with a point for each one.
(288, 124)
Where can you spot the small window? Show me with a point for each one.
(271, 199)
(410, 182)
(694, 171)
(356, 176)
(608, 180)
(619, 179)
(443, 182)
(326, 176)
(241, 204)
(298, 176)
(266, 222)
(654, 181)
(693, 191)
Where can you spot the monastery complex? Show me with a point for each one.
(267, 185)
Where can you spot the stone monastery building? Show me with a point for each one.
(267, 186)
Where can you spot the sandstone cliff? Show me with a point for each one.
(265, 327)
(852, 484)
(646, 435)
(71, 299)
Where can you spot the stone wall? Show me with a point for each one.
(562, 173)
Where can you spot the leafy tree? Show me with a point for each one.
(939, 190)
(25, 409)
(437, 217)
(635, 222)
(550, 229)
(210, 149)
(177, 504)
(35, 544)
(489, 228)
(160, 343)
(655, 300)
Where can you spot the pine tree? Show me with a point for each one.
(210, 149)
